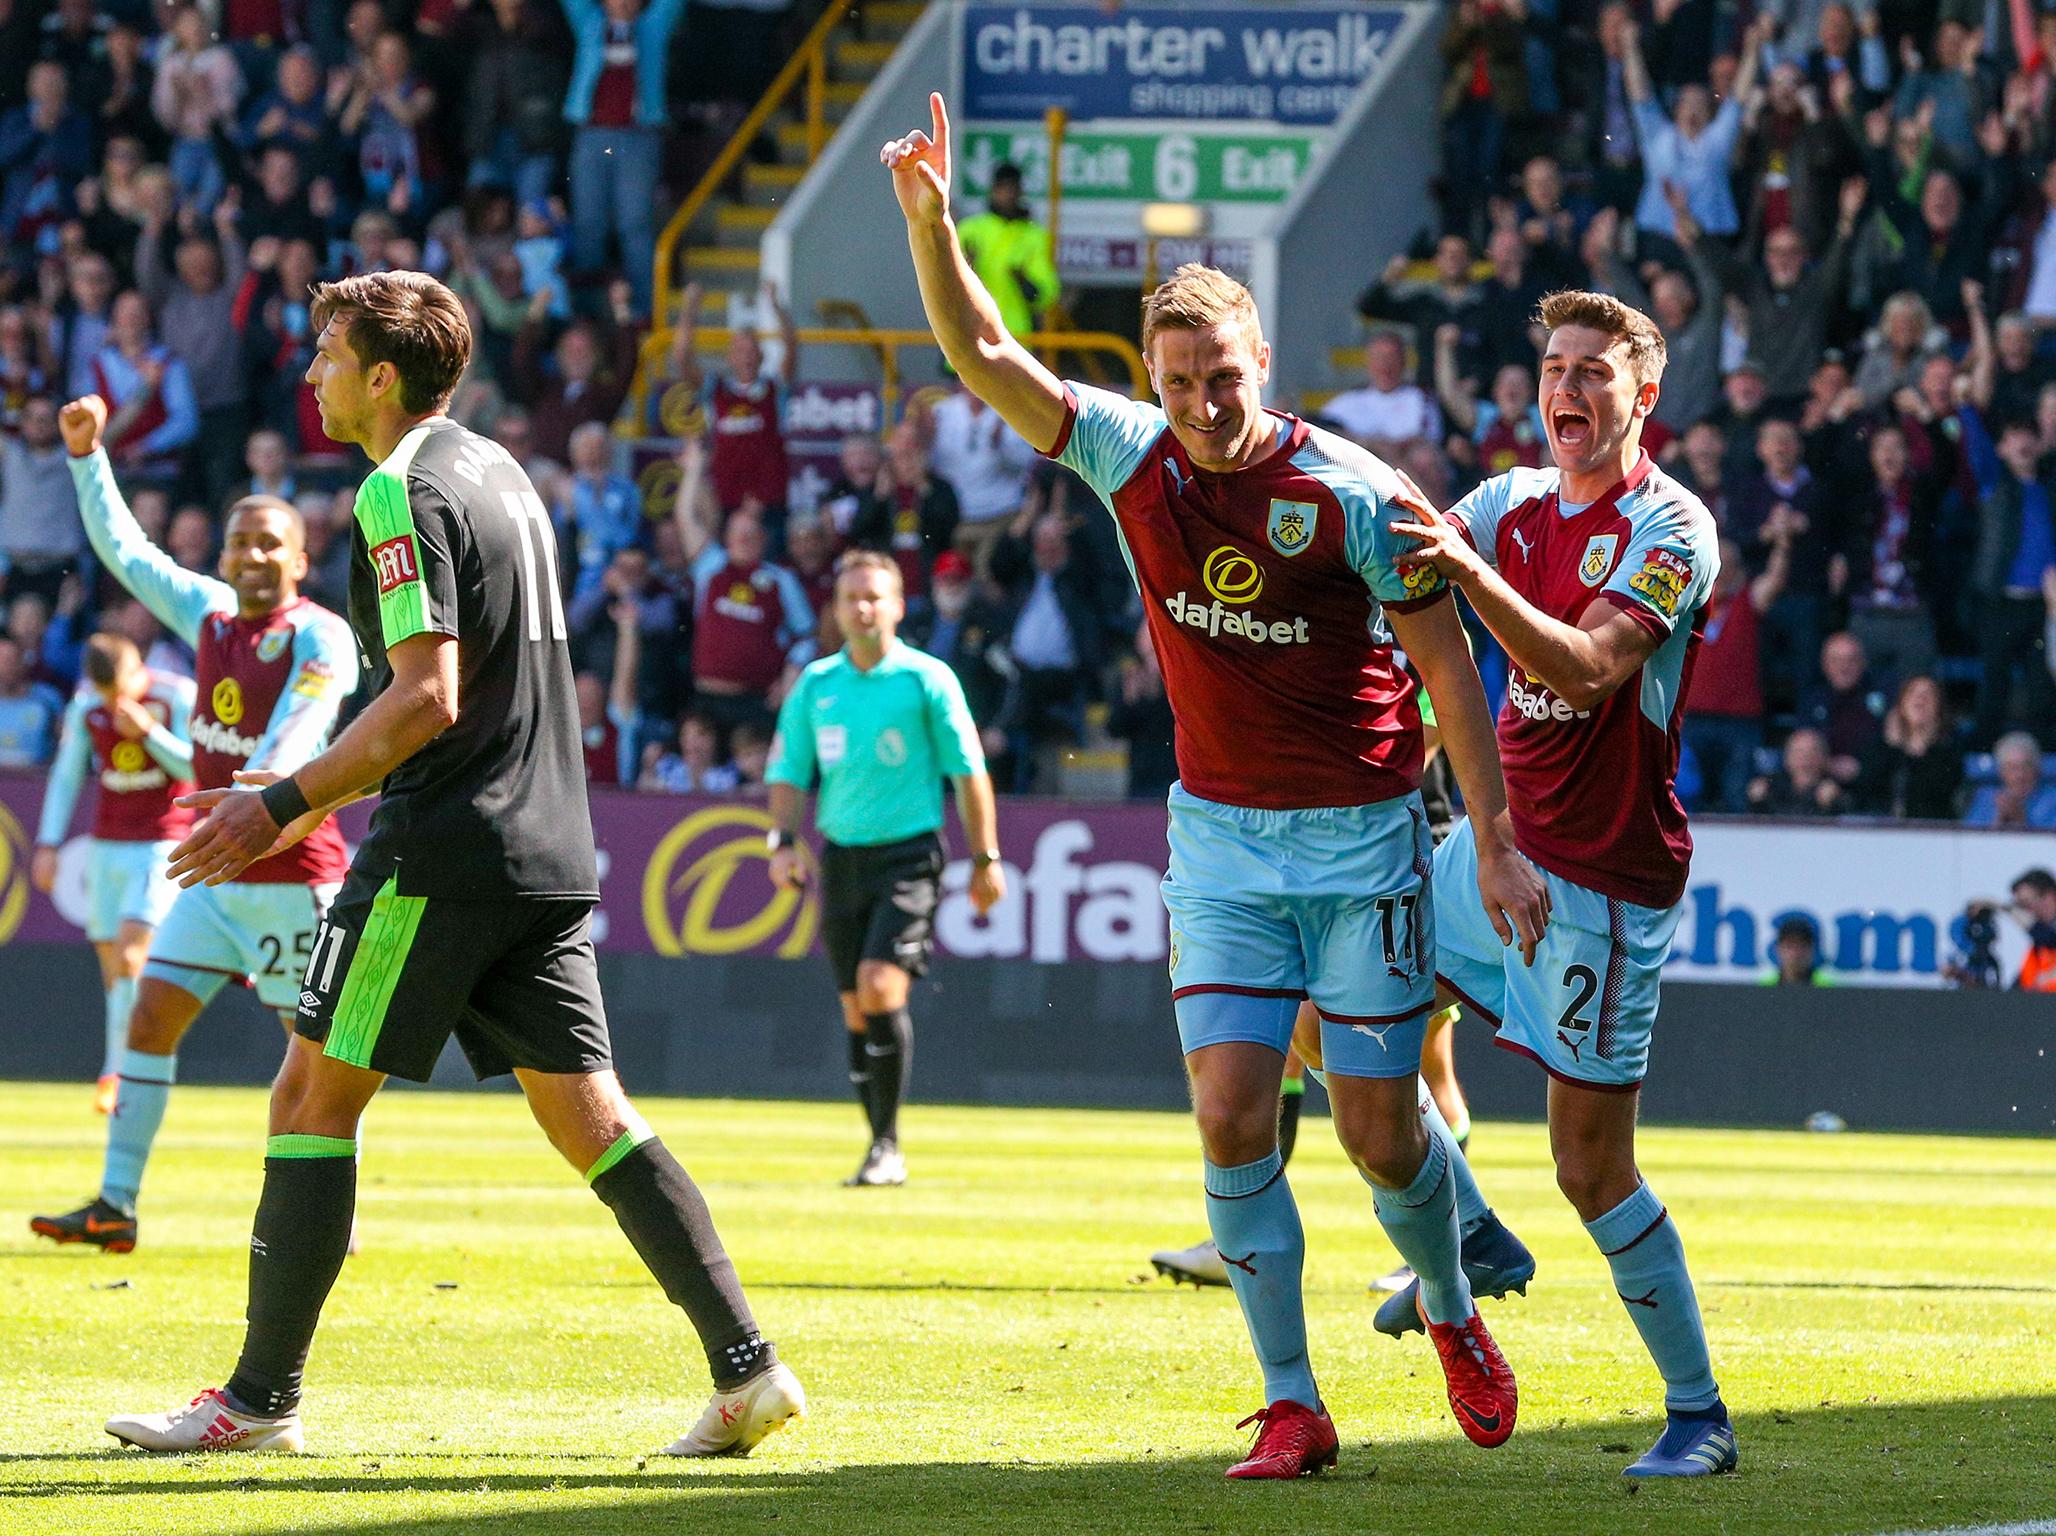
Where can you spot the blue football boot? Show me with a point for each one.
(1698, 1443)
(1494, 1261)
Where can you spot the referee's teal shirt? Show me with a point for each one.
(881, 742)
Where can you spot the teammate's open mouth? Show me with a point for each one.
(1572, 427)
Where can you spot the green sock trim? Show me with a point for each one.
(310, 1146)
(1461, 1133)
(624, 1144)
(1293, 1085)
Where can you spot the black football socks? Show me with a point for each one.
(297, 1247)
(889, 1046)
(665, 1217)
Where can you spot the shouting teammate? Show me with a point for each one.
(1594, 576)
(1300, 857)
(271, 671)
(131, 727)
(468, 908)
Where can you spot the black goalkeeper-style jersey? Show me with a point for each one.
(452, 539)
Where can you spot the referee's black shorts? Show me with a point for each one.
(879, 904)
(512, 977)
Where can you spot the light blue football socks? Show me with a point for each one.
(1647, 1256)
(1255, 1225)
(138, 1111)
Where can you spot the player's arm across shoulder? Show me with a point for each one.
(1370, 492)
(1104, 437)
(1479, 514)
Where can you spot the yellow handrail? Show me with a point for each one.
(809, 59)
(887, 343)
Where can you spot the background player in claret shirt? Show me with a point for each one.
(468, 908)
(1300, 855)
(1595, 577)
(132, 729)
(271, 669)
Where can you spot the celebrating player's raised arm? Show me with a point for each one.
(1515, 898)
(176, 597)
(1581, 663)
(966, 321)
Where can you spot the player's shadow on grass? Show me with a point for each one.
(1835, 1468)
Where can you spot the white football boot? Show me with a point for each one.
(1201, 1264)
(207, 1423)
(736, 1422)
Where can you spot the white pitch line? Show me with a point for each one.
(2021, 1528)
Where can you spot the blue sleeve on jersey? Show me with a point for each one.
(1669, 566)
(1478, 514)
(792, 744)
(950, 726)
(1368, 489)
(67, 773)
(324, 675)
(1105, 437)
(179, 598)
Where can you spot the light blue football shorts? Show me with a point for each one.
(260, 935)
(126, 882)
(1271, 907)
(1586, 1008)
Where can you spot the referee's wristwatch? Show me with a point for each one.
(987, 856)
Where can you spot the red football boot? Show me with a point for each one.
(1482, 1393)
(1295, 1440)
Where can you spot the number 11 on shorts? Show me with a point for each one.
(332, 937)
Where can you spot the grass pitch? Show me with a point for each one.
(981, 1351)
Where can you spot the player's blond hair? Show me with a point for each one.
(1196, 297)
(1606, 314)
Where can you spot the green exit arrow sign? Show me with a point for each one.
(1146, 167)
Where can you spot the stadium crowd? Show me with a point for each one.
(1844, 216)
(1840, 214)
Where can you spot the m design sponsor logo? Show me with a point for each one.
(1234, 580)
(700, 897)
(227, 699)
(393, 562)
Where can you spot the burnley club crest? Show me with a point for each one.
(1292, 525)
(1598, 559)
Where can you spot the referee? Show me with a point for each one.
(881, 724)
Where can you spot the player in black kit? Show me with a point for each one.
(468, 907)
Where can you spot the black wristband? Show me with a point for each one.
(285, 801)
